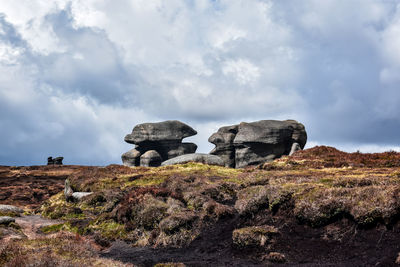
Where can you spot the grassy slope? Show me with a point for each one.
(171, 206)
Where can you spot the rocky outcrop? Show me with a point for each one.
(223, 141)
(55, 161)
(295, 147)
(195, 157)
(257, 142)
(10, 210)
(70, 195)
(6, 220)
(163, 138)
(150, 159)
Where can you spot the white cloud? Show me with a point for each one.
(243, 71)
(81, 73)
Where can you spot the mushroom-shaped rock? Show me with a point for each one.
(159, 131)
(163, 137)
(195, 157)
(150, 159)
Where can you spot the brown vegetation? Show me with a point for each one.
(61, 250)
(318, 198)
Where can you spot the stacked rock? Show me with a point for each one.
(157, 142)
(55, 161)
(257, 142)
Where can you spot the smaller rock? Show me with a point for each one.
(150, 159)
(68, 190)
(131, 158)
(58, 161)
(70, 195)
(275, 257)
(195, 157)
(254, 236)
(55, 161)
(5, 220)
(79, 195)
(10, 209)
(295, 147)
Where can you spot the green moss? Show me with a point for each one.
(326, 181)
(52, 228)
(109, 229)
(146, 181)
(9, 214)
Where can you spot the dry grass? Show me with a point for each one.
(64, 250)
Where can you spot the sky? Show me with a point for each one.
(77, 75)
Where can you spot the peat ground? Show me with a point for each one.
(331, 209)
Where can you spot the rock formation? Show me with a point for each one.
(163, 139)
(10, 209)
(70, 195)
(256, 142)
(55, 161)
(195, 157)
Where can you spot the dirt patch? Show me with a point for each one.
(339, 244)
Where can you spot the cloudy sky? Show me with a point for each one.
(77, 75)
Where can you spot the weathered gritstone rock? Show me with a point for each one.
(6, 220)
(10, 210)
(163, 137)
(150, 159)
(254, 236)
(195, 157)
(70, 195)
(295, 147)
(223, 141)
(257, 142)
(159, 131)
(131, 158)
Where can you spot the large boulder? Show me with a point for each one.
(223, 141)
(159, 131)
(195, 157)
(165, 138)
(257, 142)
